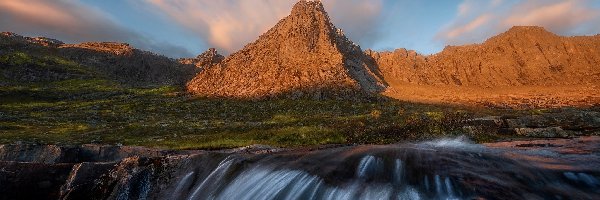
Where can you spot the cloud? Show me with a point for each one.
(559, 17)
(358, 18)
(565, 17)
(73, 21)
(472, 25)
(230, 24)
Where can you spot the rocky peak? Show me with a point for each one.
(528, 30)
(208, 58)
(304, 54)
(302, 7)
(525, 34)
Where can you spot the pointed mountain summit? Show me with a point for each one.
(303, 55)
(208, 58)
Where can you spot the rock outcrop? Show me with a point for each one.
(304, 55)
(522, 56)
(209, 58)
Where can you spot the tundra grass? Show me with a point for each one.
(84, 107)
(81, 111)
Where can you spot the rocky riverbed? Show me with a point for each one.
(440, 169)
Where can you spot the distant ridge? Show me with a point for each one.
(521, 56)
(304, 55)
(113, 60)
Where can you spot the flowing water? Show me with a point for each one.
(442, 169)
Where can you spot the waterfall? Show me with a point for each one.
(443, 169)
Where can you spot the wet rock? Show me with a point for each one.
(21, 180)
(76, 154)
(83, 180)
(31, 153)
(254, 149)
(491, 121)
(447, 169)
(551, 132)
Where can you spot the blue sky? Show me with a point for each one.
(184, 28)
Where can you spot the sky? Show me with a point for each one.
(185, 28)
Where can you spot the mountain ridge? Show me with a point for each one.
(113, 60)
(303, 55)
(520, 56)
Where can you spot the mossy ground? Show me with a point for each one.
(95, 111)
(90, 109)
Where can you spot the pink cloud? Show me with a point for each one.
(224, 24)
(229, 25)
(558, 17)
(472, 25)
(564, 17)
(73, 21)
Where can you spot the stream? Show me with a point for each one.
(442, 169)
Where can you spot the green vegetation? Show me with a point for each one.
(99, 111)
(84, 107)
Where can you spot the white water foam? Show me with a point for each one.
(369, 166)
(461, 142)
(261, 183)
(203, 190)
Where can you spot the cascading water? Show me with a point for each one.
(443, 169)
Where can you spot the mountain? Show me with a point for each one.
(129, 65)
(303, 55)
(522, 56)
(40, 59)
(208, 58)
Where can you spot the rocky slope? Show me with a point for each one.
(118, 61)
(129, 65)
(522, 56)
(304, 55)
(208, 58)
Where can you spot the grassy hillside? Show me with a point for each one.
(98, 111)
(49, 99)
(82, 107)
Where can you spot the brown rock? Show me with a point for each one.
(209, 58)
(519, 57)
(304, 55)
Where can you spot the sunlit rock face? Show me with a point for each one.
(207, 59)
(304, 55)
(441, 169)
(521, 56)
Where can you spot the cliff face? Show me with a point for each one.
(304, 55)
(522, 56)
